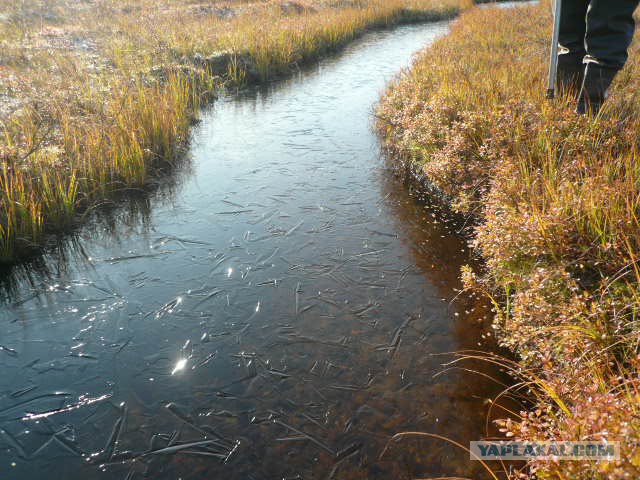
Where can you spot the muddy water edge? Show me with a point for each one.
(280, 308)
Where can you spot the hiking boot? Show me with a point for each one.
(595, 88)
(570, 73)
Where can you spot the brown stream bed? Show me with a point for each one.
(278, 311)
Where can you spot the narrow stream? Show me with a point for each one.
(276, 313)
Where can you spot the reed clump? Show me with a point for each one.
(556, 203)
(97, 98)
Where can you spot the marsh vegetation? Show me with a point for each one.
(555, 200)
(97, 97)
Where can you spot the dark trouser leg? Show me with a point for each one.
(573, 28)
(610, 28)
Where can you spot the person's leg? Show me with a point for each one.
(573, 28)
(610, 29)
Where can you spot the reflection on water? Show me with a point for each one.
(281, 316)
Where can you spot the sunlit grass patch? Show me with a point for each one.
(98, 97)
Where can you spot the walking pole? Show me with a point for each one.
(553, 64)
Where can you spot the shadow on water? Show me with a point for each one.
(279, 312)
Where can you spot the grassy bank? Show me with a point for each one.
(556, 203)
(97, 97)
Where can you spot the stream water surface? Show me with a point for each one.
(278, 312)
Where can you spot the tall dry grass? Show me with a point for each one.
(556, 201)
(97, 98)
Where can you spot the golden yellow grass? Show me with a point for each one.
(556, 198)
(96, 98)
